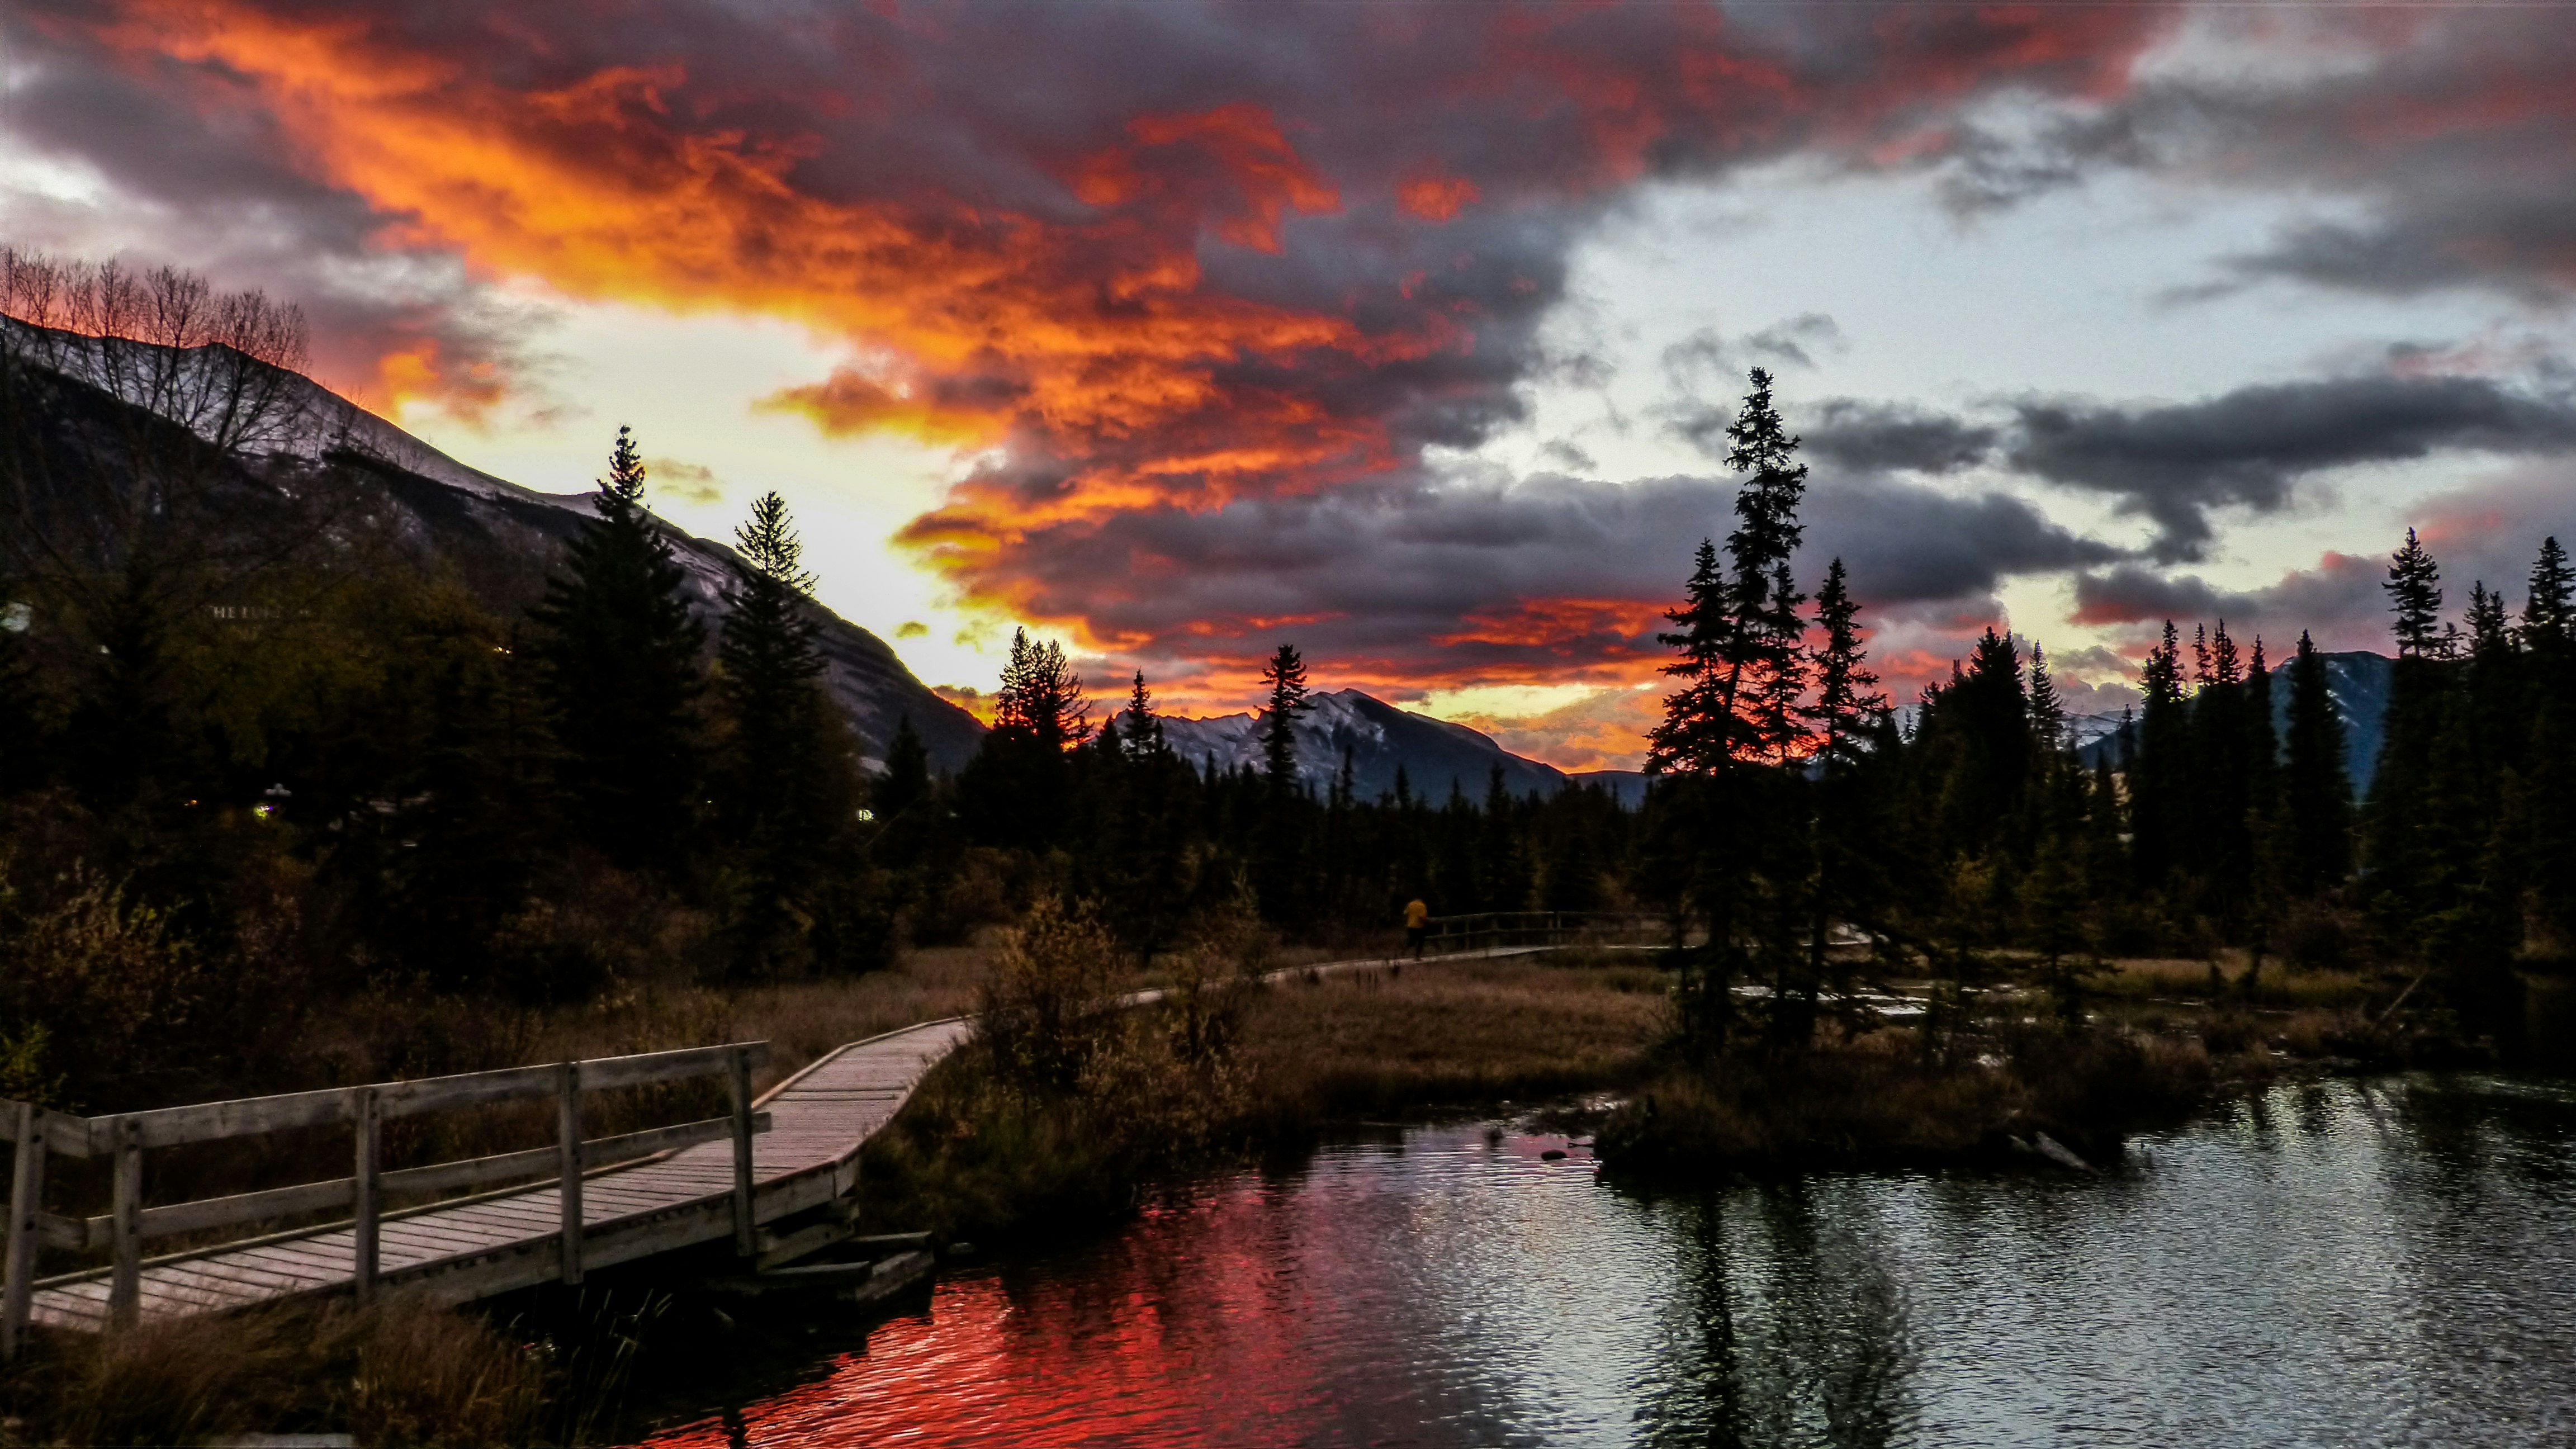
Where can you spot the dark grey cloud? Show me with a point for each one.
(1886, 437)
(2486, 532)
(2175, 464)
(2438, 148)
(1438, 577)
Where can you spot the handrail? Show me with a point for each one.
(1497, 929)
(35, 1133)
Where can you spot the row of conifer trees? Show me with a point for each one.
(2223, 814)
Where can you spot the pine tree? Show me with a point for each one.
(1285, 673)
(1846, 714)
(2316, 789)
(1764, 662)
(1041, 695)
(1019, 789)
(1693, 737)
(907, 776)
(622, 675)
(2414, 589)
(2549, 611)
(1139, 726)
(2221, 827)
(787, 787)
(1846, 704)
(2158, 820)
(2406, 820)
(2549, 789)
(2047, 714)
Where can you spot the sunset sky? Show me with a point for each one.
(1406, 331)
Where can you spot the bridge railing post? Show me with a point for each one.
(125, 1284)
(568, 1150)
(26, 1191)
(367, 1117)
(745, 1240)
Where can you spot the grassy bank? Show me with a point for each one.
(400, 1373)
(977, 1155)
(1879, 1100)
(2084, 1058)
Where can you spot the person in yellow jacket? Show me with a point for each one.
(1417, 926)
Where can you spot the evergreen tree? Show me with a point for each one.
(1139, 726)
(2549, 611)
(1285, 673)
(2047, 713)
(1041, 695)
(622, 675)
(2316, 789)
(907, 776)
(1846, 703)
(2261, 754)
(2414, 589)
(1847, 714)
(1765, 665)
(2549, 786)
(787, 782)
(2158, 819)
(2404, 820)
(1018, 791)
(2221, 798)
(1692, 737)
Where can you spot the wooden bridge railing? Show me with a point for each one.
(1494, 930)
(34, 1133)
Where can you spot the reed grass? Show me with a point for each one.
(401, 1374)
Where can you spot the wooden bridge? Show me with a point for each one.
(598, 1201)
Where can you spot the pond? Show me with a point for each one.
(2384, 1262)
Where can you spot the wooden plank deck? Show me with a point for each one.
(496, 1242)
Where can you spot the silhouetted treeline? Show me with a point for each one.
(1792, 803)
(1110, 812)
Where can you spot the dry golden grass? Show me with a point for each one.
(402, 1373)
(2275, 985)
(1384, 1041)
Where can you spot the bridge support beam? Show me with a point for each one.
(26, 1194)
(367, 1117)
(568, 1146)
(745, 1231)
(125, 1285)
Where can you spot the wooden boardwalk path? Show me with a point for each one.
(803, 1155)
(497, 1242)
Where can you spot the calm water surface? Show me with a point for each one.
(2391, 1262)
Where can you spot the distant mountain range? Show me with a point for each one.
(500, 538)
(2358, 682)
(1434, 756)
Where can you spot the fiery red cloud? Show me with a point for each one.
(1175, 274)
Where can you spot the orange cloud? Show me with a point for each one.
(1436, 197)
(1082, 330)
(1118, 314)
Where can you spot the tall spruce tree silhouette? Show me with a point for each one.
(1766, 668)
(1694, 737)
(907, 777)
(2403, 821)
(2549, 634)
(1285, 673)
(1734, 844)
(787, 782)
(622, 675)
(2158, 819)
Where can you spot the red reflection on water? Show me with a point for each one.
(1357, 1300)
(1210, 1350)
